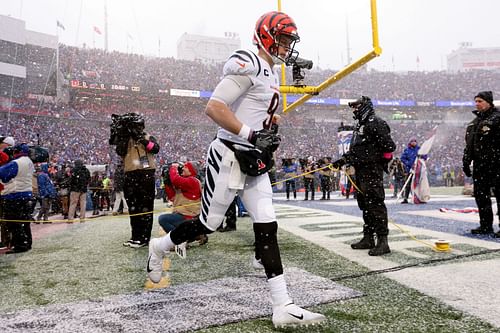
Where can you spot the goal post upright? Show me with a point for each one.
(309, 91)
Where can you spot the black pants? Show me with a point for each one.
(326, 183)
(139, 191)
(19, 210)
(290, 185)
(309, 186)
(407, 189)
(484, 182)
(398, 184)
(370, 197)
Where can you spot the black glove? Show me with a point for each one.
(338, 163)
(265, 140)
(467, 170)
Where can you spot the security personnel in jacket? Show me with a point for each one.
(137, 151)
(482, 149)
(17, 198)
(370, 151)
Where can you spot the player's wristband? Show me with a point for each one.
(245, 132)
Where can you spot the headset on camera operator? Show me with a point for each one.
(137, 148)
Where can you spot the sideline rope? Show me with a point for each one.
(329, 166)
(95, 218)
(187, 205)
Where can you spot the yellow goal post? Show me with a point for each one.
(309, 91)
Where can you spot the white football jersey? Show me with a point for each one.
(257, 105)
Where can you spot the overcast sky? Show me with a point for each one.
(427, 29)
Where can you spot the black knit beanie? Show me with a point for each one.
(485, 95)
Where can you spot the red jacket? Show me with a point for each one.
(189, 186)
(4, 158)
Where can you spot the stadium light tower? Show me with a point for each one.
(309, 91)
(106, 25)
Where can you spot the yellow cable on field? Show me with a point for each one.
(435, 248)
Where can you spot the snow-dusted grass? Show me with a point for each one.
(88, 261)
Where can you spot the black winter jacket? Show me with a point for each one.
(482, 141)
(370, 140)
(80, 178)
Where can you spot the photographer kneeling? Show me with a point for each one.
(184, 190)
(137, 149)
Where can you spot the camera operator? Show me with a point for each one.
(184, 190)
(137, 148)
(370, 151)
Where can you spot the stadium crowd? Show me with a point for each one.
(78, 130)
(155, 73)
(80, 127)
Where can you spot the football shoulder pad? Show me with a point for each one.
(242, 62)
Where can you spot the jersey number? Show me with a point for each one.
(273, 106)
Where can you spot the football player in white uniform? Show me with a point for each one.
(243, 105)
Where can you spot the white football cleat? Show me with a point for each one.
(181, 250)
(293, 315)
(155, 260)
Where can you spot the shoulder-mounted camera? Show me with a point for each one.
(123, 127)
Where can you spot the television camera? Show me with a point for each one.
(123, 127)
(298, 66)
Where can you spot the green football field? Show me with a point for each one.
(86, 261)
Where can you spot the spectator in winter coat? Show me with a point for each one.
(63, 178)
(408, 158)
(397, 173)
(17, 198)
(46, 192)
(80, 179)
(5, 142)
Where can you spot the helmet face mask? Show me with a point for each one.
(275, 32)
